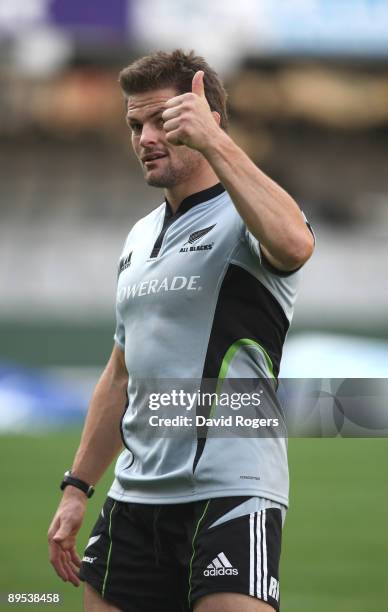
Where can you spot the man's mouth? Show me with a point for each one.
(151, 157)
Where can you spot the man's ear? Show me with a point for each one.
(217, 117)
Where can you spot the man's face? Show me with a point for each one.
(164, 165)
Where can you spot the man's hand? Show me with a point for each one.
(188, 119)
(62, 535)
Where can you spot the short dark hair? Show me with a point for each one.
(175, 69)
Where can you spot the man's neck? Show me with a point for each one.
(177, 194)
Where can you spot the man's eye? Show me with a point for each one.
(136, 127)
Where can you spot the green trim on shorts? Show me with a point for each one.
(109, 551)
(193, 547)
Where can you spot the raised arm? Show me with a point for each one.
(268, 211)
(100, 443)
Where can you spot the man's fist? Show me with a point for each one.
(188, 119)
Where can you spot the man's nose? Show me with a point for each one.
(149, 135)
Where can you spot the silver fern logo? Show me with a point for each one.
(194, 237)
(199, 234)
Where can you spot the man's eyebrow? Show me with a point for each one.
(159, 111)
(132, 119)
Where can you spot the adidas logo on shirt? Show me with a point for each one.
(124, 263)
(220, 566)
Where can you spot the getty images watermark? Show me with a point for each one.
(206, 409)
(320, 408)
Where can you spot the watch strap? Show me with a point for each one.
(69, 479)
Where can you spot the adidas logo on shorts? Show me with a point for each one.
(89, 559)
(220, 566)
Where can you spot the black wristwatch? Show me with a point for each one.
(69, 479)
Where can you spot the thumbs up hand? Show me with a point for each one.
(188, 119)
(198, 86)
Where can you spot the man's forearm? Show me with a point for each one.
(101, 439)
(269, 212)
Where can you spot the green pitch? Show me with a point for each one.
(335, 546)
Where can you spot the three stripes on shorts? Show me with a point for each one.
(258, 567)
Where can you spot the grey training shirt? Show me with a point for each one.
(197, 300)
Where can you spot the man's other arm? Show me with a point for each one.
(100, 443)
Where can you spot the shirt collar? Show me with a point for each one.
(196, 198)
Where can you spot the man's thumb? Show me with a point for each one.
(63, 532)
(197, 85)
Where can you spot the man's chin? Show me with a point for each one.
(155, 180)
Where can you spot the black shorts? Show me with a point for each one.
(147, 558)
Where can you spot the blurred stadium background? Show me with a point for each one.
(308, 94)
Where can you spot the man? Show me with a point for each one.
(206, 288)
